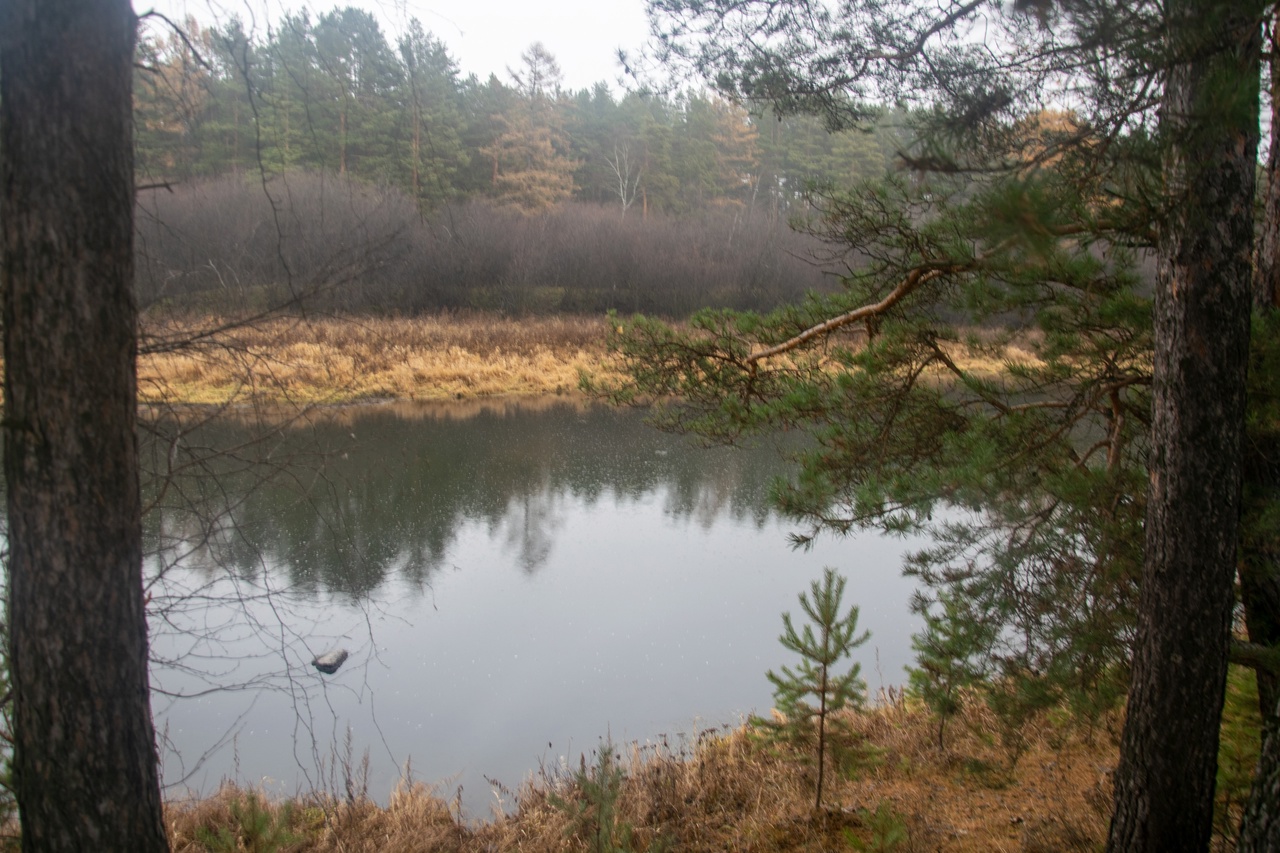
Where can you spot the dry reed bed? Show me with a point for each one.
(310, 360)
(732, 791)
(334, 360)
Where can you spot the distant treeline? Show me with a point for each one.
(332, 94)
(340, 245)
(323, 161)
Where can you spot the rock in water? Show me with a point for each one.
(329, 662)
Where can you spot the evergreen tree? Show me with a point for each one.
(434, 155)
(800, 155)
(295, 128)
(484, 107)
(228, 141)
(358, 76)
(814, 691)
(953, 654)
(594, 128)
(171, 100)
(531, 169)
(654, 118)
(714, 151)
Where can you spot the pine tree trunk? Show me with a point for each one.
(1260, 551)
(1165, 781)
(1260, 592)
(1260, 824)
(822, 733)
(1259, 589)
(85, 749)
(342, 141)
(417, 151)
(1260, 546)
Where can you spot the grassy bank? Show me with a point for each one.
(447, 357)
(898, 790)
(340, 360)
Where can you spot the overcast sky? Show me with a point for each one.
(484, 36)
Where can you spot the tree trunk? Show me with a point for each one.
(1260, 824)
(1259, 541)
(1260, 545)
(822, 729)
(1260, 591)
(1165, 781)
(417, 149)
(1260, 554)
(1260, 584)
(342, 141)
(1266, 282)
(84, 744)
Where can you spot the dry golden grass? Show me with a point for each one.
(310, 360)
(336, 360)
(734, 791)
(983, 353)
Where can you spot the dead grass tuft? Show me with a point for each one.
(414, 819)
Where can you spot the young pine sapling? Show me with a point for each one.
(952, 653)
(821, 646)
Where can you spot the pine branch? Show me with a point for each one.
(915, 278)
(1255, 656)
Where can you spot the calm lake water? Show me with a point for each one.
(513, 584)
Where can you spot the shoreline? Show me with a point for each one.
(736, 790)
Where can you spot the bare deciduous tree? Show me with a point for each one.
(627, 173)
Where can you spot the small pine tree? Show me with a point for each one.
(821, 646)
(953, 652)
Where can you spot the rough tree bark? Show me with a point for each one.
(1165, 781)
(1260, 823)
(1260, 593)
(1260, 544)
(85, 747)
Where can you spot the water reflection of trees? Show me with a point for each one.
(393, 493)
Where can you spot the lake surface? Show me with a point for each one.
(513, 584)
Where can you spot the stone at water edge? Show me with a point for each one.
(329, 662)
